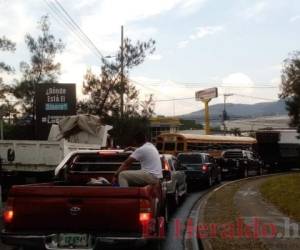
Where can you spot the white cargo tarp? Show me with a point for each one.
(81, 129)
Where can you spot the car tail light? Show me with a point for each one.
(166, 166)
(145, 214)
(204, 168)
(8, 215)
(145, 218)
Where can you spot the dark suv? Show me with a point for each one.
(240, 163)
(200, 168)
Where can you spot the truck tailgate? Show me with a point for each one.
(75, 209)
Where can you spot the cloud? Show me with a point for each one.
(155, 57)
(200, 33)
(294, 18)
(205, 31)
(14, 14)
(182, 44)
(245, 90)
(257, 9)
(164, 91)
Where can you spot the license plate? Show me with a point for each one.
(73, 240)
(225, 170)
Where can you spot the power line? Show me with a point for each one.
(70, 24)
(60, 18)
(78, 27)
(255, 97)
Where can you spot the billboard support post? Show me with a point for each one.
(207, 124)
(205, 96)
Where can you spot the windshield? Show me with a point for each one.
(190, 159)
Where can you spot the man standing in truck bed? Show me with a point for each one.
(151, 169)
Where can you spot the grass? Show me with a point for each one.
(284, 193)
(220, 209)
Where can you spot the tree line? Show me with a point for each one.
(103, 88)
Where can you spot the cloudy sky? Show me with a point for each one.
(235, 45)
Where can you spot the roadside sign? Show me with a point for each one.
(206, 94)
(54, 102)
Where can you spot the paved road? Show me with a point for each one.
(178, 221)
(174, 238)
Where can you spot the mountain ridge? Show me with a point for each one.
(237, 111)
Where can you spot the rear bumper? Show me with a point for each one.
(196, 178)
(46, 241)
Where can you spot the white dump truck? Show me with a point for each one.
(26, 161)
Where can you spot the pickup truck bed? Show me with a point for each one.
(57, 214)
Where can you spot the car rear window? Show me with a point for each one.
(99, 163)
(190, 159)
(233, 154)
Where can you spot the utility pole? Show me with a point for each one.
(122, 73)
(224, 112)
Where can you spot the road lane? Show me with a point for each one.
(177, 224)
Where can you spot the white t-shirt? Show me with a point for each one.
(149, 159)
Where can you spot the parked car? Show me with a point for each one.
(176, 184)
(81, 210)
(240, 163)
(200, 168)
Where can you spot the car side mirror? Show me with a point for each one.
(166, 175)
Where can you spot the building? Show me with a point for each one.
(161, 124)
(253, 124)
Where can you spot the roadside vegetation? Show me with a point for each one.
(284, 192)
(220, 209)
